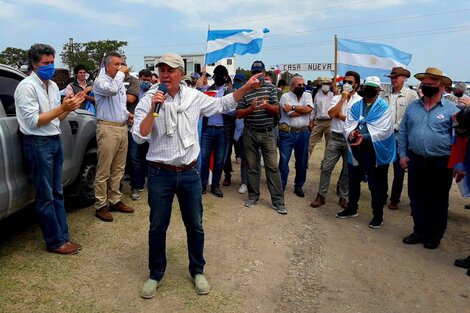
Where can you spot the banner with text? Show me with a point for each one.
(307, 67)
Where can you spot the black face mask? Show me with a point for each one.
(370, 92)
(458, 94)
(219, 80)
(299, 91)
(429, 91)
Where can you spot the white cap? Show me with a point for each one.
(373, 81)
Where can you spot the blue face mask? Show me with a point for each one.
(46, 72)
(144, 86)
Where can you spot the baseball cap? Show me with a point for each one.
(258, 66)
(195, 75)
(171, 59)
(372, 81)
(460, 86)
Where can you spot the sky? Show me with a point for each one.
(435, 32)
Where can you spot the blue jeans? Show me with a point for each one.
(45, 157)
(137, 155)
(212, 139)
(162, 186)
(298, 141)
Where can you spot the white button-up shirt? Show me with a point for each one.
(110, 98)
(321, 105)
(170, 149)
(337, 125)
(291, 99)
(33, 97)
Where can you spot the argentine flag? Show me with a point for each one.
(226, 43)
(369, 59)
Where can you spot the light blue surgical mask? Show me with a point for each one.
(46, 72)
(145, 85)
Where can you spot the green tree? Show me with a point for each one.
(90, 53)
(14, 56)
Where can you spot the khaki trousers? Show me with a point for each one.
(112, 144)
(321, 128)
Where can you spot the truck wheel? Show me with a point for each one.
(86, 186)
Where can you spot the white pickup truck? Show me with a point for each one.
(79, 145)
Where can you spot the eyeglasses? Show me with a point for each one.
(348, 82)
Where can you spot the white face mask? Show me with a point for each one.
(348, 87)
(325, 88)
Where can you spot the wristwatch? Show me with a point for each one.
(293, 108)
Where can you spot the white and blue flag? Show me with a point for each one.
(227, 43)
(369, 59)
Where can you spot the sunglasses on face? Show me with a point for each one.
(348, 82)
(300, 85)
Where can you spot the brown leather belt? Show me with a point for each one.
(176, 168)
(288, 129)
(111, 123)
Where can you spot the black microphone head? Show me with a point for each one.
(163, 88)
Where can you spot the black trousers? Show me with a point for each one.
(429, 182)
(376, 177)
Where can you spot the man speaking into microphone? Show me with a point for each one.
(172, 156)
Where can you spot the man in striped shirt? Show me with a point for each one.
(172, 158)
(260, 109)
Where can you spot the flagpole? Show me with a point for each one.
(207, 43)
(336, 62)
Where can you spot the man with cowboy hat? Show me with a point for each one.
(424, 144)
(398, 97)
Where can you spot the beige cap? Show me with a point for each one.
(171, 59)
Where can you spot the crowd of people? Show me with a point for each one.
(168, 148)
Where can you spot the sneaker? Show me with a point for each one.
(280, 208)
(135, 195)
(238, 160)
(346, 214)
(376, 223)
(149, 289)
(251, 202)
(242, 189)
(201, 284)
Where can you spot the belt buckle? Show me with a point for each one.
(285, 128)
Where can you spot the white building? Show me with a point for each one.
(195, 63)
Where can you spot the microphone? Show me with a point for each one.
(158, 105)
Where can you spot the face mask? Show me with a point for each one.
(299, 91)
(348, 87)
(219, 80)
(325, 88)
(144, 86)
(46, 71)
(458, 94)
(237, 85)
(370, 92)
(429, 91)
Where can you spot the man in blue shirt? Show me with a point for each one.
(424, 144)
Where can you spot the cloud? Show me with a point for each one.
(75, 8)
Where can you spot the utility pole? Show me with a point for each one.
(70, 55)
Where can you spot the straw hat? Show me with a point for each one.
(434, 72)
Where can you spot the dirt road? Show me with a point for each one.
(257, 260)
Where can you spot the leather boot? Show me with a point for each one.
(319, 201)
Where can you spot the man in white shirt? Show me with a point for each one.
(173, 169)
(111, 137)
(320, 119)
(294, 134)
(398, 98)
(39, 113)
(337, 147)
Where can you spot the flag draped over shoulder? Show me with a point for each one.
(227, 43)
(369, 59)
(380, 127)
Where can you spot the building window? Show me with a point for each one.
(229, 61)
